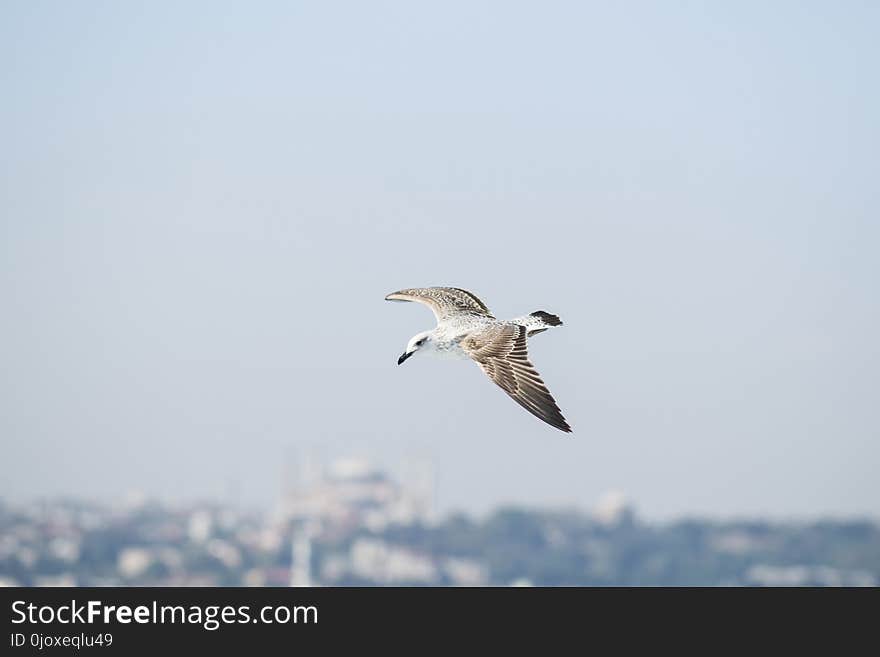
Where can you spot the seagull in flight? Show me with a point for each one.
(466, 329)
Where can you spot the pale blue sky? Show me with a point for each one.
(202, 206)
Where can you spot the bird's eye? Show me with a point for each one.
(419, 343)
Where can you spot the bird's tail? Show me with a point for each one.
(538, 322)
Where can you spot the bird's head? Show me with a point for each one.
(418, 342)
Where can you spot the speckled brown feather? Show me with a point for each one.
(502, 354)
(444, 301)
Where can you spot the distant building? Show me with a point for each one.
(352, 493)
(614, 509)
(380, 562)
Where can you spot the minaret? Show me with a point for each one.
(301, 558)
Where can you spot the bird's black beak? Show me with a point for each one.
(404, 356)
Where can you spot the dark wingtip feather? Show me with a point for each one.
(547, 318)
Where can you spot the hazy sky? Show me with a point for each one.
(202, 206)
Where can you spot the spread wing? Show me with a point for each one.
(501, 353)
(444, 301)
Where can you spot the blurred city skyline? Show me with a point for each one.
(203, 205)
(349, 523)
